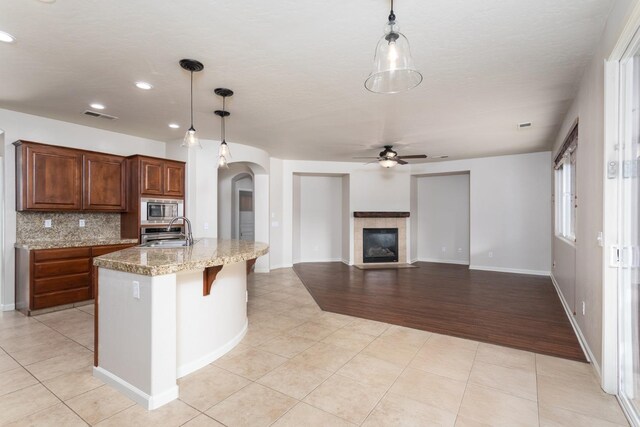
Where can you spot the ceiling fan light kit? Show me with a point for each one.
(393, 68)
(191, 137)
(388, 157)
(224, 154)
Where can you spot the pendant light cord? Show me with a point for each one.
(224, 98)
(192, 99)
(392, 16)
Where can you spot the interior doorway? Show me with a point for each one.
(236, 202)
(246, 215)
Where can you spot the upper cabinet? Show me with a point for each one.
(151, 178)
(52, 178)
(48, 178)
(104, 182)
(173, 179)
(161, 178)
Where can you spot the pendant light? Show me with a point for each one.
(393, 69)
(191, 138)
(224, 155)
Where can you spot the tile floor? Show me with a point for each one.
(299, 366)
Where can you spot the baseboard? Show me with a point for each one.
(134, 393)
(261, 270)
(413, 260)
(510, 270)
(576, 328)
(346, 261)
(190, 367)
(7, 307)
(319, 260)
(279, 266)
(442, 261)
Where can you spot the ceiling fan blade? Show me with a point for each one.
(364, 158)
(402, 162)
(414, 156)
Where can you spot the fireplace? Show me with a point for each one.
(379, 245)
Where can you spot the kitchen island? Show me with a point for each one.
(163, 313)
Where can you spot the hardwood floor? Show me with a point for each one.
(512, 310)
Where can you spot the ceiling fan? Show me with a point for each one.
(388, 158)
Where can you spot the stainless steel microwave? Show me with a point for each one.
(160, 211)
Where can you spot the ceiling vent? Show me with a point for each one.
(525, 125)
(99, 115)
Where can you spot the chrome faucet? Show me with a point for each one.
(187, 224)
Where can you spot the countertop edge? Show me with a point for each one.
(35, 245)
(176, 268)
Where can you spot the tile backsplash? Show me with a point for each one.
(65, 226)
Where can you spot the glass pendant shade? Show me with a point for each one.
(191, 139)
(224, 151)
(222, 162)
(388, 163)
(393, 68)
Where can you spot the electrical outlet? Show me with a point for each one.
(136, 289)
(584, 308)
(47, 223)
(81, 223)
(444, 249)
(490, 254)
(206, 225)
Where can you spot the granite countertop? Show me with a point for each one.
(159, 261)
(76, 243)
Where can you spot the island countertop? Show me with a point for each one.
(204, 253)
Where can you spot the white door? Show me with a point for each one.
(246, 215)
(627, 253)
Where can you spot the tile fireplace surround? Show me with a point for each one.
(363, 220)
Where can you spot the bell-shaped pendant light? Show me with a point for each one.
(393, 69)
(224, 154)
(191, 137)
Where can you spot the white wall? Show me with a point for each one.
(510, 205)
(371, 188)
(347, 220)
(275, 206)
(39, 129)
(320, 219)
(443, 219)
(578, 269)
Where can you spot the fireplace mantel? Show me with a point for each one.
(367, 214)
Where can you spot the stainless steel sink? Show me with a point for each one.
(172, 243)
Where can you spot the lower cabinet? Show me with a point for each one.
(50, 277)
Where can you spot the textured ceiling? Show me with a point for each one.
(298, 70)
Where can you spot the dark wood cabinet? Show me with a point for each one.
(104, 182)
(48, 178)
(151, 176)
(51, 178)
(60, 276)
(159, 177)
(50, 277)
(174, 179)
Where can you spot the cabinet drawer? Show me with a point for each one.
(61, 268)
(61, 283)
(56, 254)
(63, 297)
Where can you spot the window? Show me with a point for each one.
(565, 187)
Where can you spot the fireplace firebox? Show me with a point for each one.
(379, 245)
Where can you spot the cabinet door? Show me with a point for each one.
(174, 179)
(151, 173)
(104, 182)
(53, 178)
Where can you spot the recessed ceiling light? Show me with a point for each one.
(174, 126)
(48, 1)
(144, 85)
(6, 37)
(97, 106)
